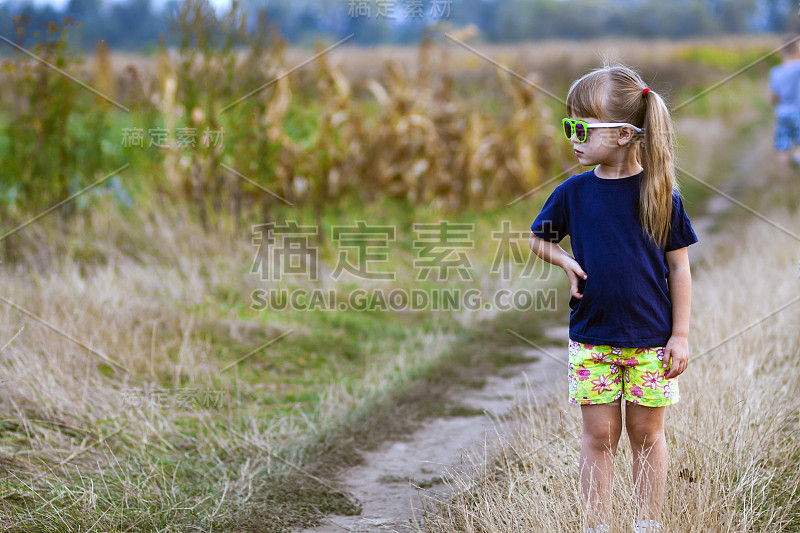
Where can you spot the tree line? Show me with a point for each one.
(138, 24)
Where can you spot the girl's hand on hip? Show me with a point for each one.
(676, 356)
(574, 271)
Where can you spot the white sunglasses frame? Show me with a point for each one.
(611, 125)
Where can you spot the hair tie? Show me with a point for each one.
(644, 92)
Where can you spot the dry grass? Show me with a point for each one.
(80, 440)
(75, 447)
(733, 437)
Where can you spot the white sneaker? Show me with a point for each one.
(646, 526)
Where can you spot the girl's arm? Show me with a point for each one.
(680, 291)
(556, 255)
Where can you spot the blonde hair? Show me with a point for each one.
(615, 93)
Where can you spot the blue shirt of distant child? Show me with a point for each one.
(784, 81)
(626, 301)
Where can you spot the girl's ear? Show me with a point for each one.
(626, 134)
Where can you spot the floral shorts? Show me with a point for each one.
(602, 374)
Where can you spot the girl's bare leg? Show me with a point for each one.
(602, 426)
(650, 457)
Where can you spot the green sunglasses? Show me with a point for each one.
(580, 128)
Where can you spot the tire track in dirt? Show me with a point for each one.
(397, 476)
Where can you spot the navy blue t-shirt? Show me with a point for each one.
(626, 301)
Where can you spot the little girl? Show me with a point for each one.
(630, 284)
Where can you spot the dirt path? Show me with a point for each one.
(386, 484)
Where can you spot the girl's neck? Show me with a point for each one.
(623, 168)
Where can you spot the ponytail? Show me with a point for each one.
(655, 196)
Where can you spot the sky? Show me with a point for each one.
(156, 3)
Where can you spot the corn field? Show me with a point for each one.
(309, 138)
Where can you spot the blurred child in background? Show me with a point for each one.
(784, 84)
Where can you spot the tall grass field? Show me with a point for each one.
(143, 388)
